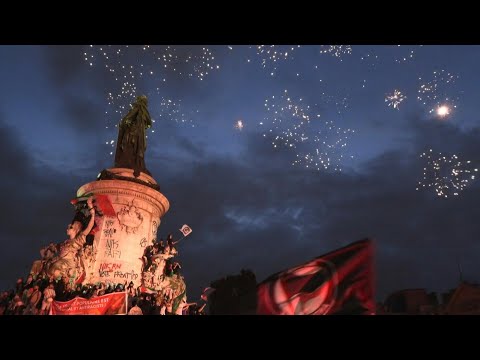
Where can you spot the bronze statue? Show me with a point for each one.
(132, 143)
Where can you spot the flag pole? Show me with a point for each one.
(460, 273)
(185, 230)
(176, 242)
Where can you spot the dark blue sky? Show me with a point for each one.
(249, 203)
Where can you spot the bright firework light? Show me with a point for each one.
(438, 91)
(239, 125)
(443, 111)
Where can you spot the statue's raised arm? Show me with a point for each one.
(131, 142)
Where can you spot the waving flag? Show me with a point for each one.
(206, 292)
(340, 282)
(186, 230)
(102, 203)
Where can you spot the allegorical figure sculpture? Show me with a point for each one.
(131, 143)
(68, 262)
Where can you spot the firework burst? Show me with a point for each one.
(338, 51)
(272, 55)
(239, 125)
(446, 174)
(292, 124)
(405, 53)
(394, 100)
(147, 66)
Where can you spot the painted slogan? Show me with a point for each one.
(110, 304)
(121, 245)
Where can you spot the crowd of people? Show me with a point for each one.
(34, 296)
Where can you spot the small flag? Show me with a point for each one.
(186, 230)
(82, 198)
(206, 292)
(146, 290)
(177, 301)
(102, 201)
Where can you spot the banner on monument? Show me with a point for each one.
(110, 304)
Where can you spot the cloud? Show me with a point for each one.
(251, 208)
(65, 63)
(247, 214)
(34, 209)
(35, 200)
(83, 115)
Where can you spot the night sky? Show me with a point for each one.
(272, 154)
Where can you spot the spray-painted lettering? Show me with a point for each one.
(110, 266)
(109, 232)
(130, 275)
(109, 223)
(111, 250)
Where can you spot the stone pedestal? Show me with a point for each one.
(120, 240)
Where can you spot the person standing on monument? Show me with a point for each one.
(131, 143)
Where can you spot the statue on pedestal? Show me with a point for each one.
(131, 143)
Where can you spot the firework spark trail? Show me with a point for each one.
(406, 53)
(446, 174)
(438, 91)
(173, 111)
(129, 65)
(329, 149)
(336, 50)
(271, 55)
(287, 118)
(294, 125)
(339, 103)
(369, 57)
(398, 54)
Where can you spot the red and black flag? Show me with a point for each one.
(340, 282)
(101, 204)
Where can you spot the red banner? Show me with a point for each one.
(110, 304)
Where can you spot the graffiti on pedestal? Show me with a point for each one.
(89, 256)
(111, 249)
(109, 223)
(107, 268)
(108, 233)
